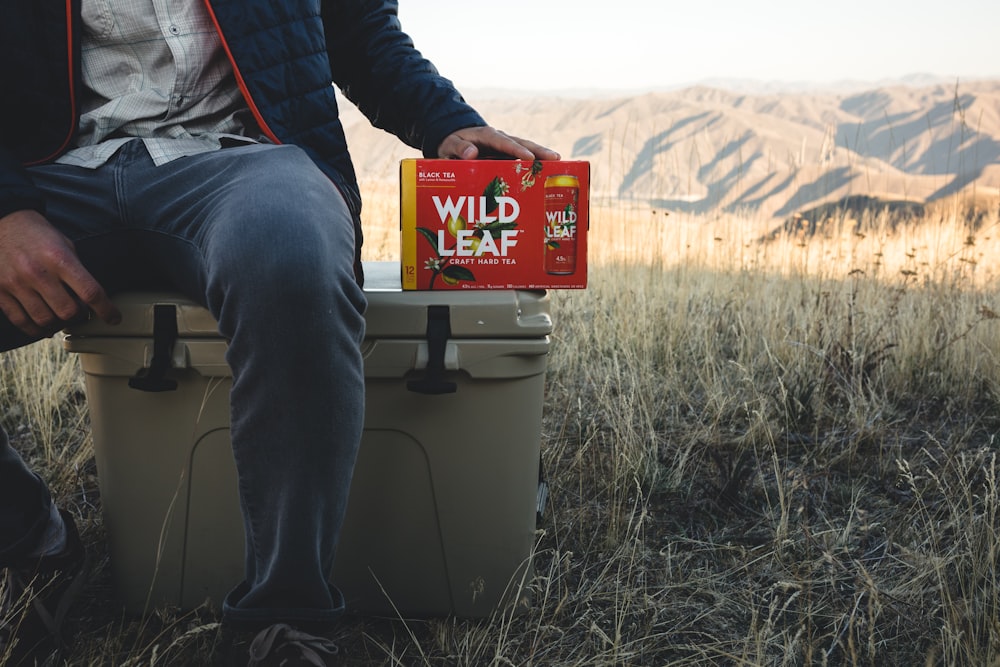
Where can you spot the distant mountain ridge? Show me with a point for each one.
(706, 148)
(739, 85)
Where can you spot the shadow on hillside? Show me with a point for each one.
(717, 190)
(645, 160)
(860, 211)
(817, 190)
(962, 178)
(960, 150)
(751, 200)
(587, 146)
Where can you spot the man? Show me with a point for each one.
(195, 145)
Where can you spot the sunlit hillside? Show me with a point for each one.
(772, 155)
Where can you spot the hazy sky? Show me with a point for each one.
(642, 44)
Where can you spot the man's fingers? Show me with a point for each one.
(55, 304)
(43, 284)
(42, 314)
(454, 147)
(53, 289)
(540, 152)
(499, 142)
(474, 142)
(79, 288)
(90, 293)
(14, 310)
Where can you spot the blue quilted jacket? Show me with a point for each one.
(286, 54)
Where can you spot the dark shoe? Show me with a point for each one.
(35, 597)
(282, 645)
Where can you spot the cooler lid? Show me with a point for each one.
(392, 313)
(138, 308)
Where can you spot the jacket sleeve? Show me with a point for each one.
(37, 113)
(377, 67)
(16, 190)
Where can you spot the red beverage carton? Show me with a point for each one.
(494, 224)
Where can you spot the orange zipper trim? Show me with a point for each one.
(72, 88)
(239, 78)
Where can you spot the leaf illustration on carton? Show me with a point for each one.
(494, 189)
(439, 264)
(451, 274)
(429, 235)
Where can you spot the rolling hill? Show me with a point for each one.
(703, 149)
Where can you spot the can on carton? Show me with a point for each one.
(562, 201)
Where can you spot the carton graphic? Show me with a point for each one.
(494, 224)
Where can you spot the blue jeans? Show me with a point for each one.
(265, 241)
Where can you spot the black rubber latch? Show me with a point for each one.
(438, 333)
(154, 378)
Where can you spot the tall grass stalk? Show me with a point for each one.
(43, 409)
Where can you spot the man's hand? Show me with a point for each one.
(471, 142)
(43, 285)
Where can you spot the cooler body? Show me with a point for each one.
(442, 511)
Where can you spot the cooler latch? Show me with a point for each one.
(438, 333)
(154, 378)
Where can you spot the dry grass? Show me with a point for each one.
(762, 451)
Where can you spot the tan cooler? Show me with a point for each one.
(443, 507)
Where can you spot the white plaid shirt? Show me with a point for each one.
(156, 70)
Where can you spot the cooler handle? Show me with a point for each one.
(438, 333)
(154, 378)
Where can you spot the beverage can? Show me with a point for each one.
(562, 199)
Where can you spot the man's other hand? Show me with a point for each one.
(43, 285)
